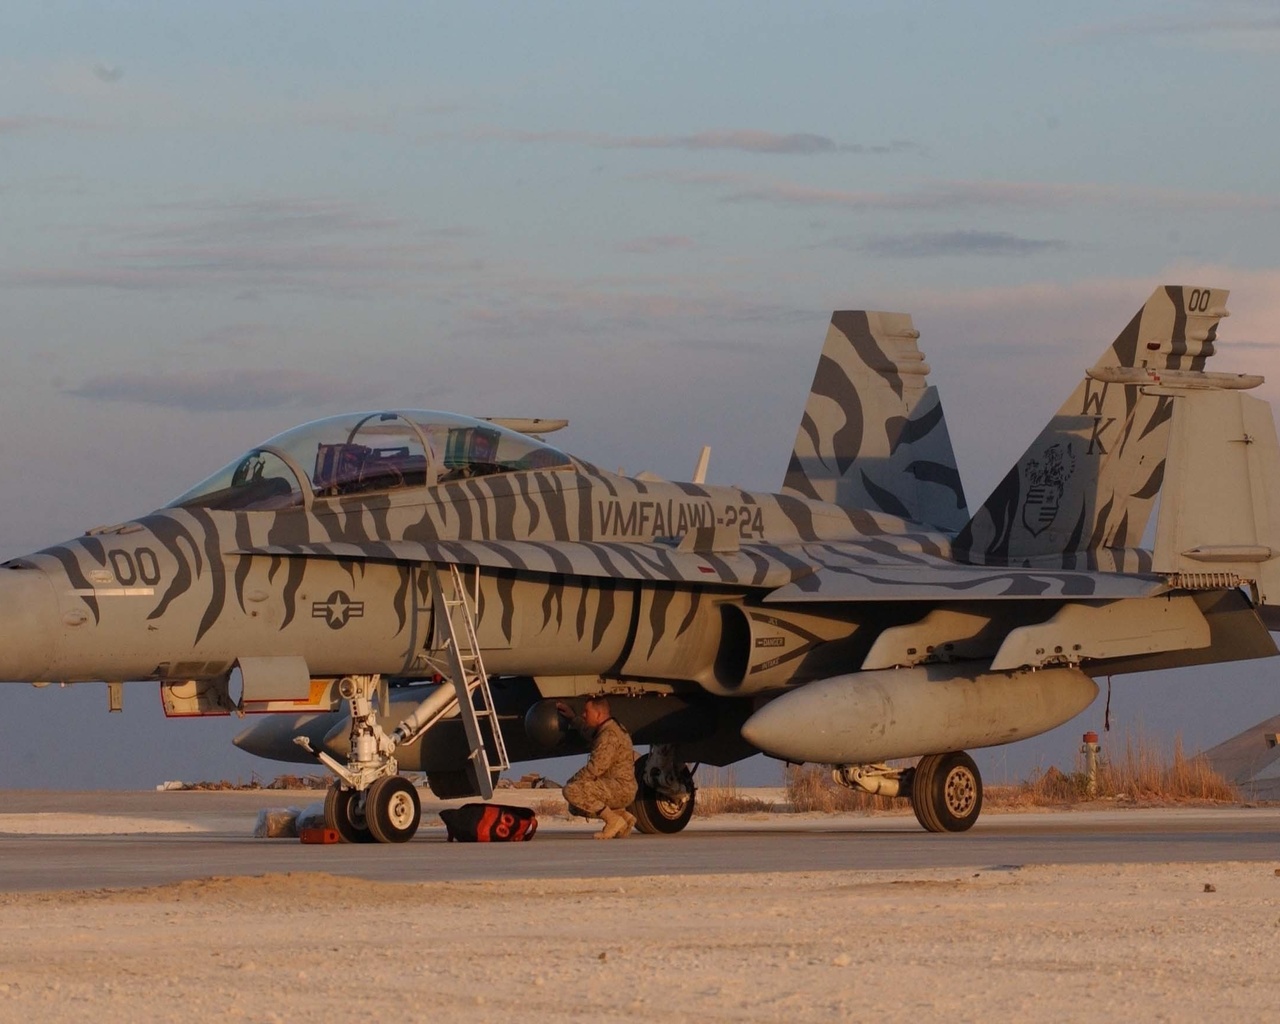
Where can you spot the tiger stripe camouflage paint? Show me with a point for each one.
(1082, 494)
(873, 434)
(583, 573)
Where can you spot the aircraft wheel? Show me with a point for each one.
(657, 814)
(392, 809)
(946, 792)
(342, 813)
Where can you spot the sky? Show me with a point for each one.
(221, 220)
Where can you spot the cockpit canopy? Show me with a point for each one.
(364, 452)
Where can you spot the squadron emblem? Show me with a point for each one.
(1046, 482)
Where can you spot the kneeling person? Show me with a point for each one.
(606, 784)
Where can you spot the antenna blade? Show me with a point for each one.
(700, 471)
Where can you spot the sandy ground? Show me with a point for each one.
(1061, 943)
(59, 824)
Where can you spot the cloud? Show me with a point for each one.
(117, 278)
(803, 143)
(230, 96)
(1234, 30)
(958, 243)
(698, 178)
(369, 115)
(239, 337)
(896, 146)
(265, 218)
(225, 390)
(655, 243)
(252, 270)
(736, 140)
(951, 195)
(25, 123)
(455, 231)
(281, 243)
(646, 308)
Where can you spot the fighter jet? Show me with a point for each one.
(860, 617)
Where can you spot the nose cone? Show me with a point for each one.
(29, 625)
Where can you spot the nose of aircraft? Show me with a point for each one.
(29, 625)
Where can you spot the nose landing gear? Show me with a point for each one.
(392, 809)
(369, 801)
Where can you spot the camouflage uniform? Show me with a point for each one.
(608, 779)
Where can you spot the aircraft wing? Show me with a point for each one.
(938, 580)
(757, 565)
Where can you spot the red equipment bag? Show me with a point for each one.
(489, 823)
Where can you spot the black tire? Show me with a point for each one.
(657, 815)
(946, 792)
(921, 784)
(342, 812)
(392, 809)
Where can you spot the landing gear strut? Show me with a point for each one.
(945, 789)
(665, 792)
(369, 801)
(369, 796)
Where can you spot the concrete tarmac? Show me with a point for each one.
(56, 841)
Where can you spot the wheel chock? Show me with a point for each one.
(319, 835)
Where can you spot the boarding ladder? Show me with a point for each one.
(455, 622)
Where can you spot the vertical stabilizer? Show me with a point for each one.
(1081, 496)
(873, 435)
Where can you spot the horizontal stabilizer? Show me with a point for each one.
(1251, 760)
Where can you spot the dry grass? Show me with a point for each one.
(552, 807)
(1140, 772)
(720, 795)
(1144, 774)
(810, 787)
(1049, 788)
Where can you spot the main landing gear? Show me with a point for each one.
(945, 789)
(946, 792)
(665, 793)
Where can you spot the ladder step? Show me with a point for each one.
(488, 753)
